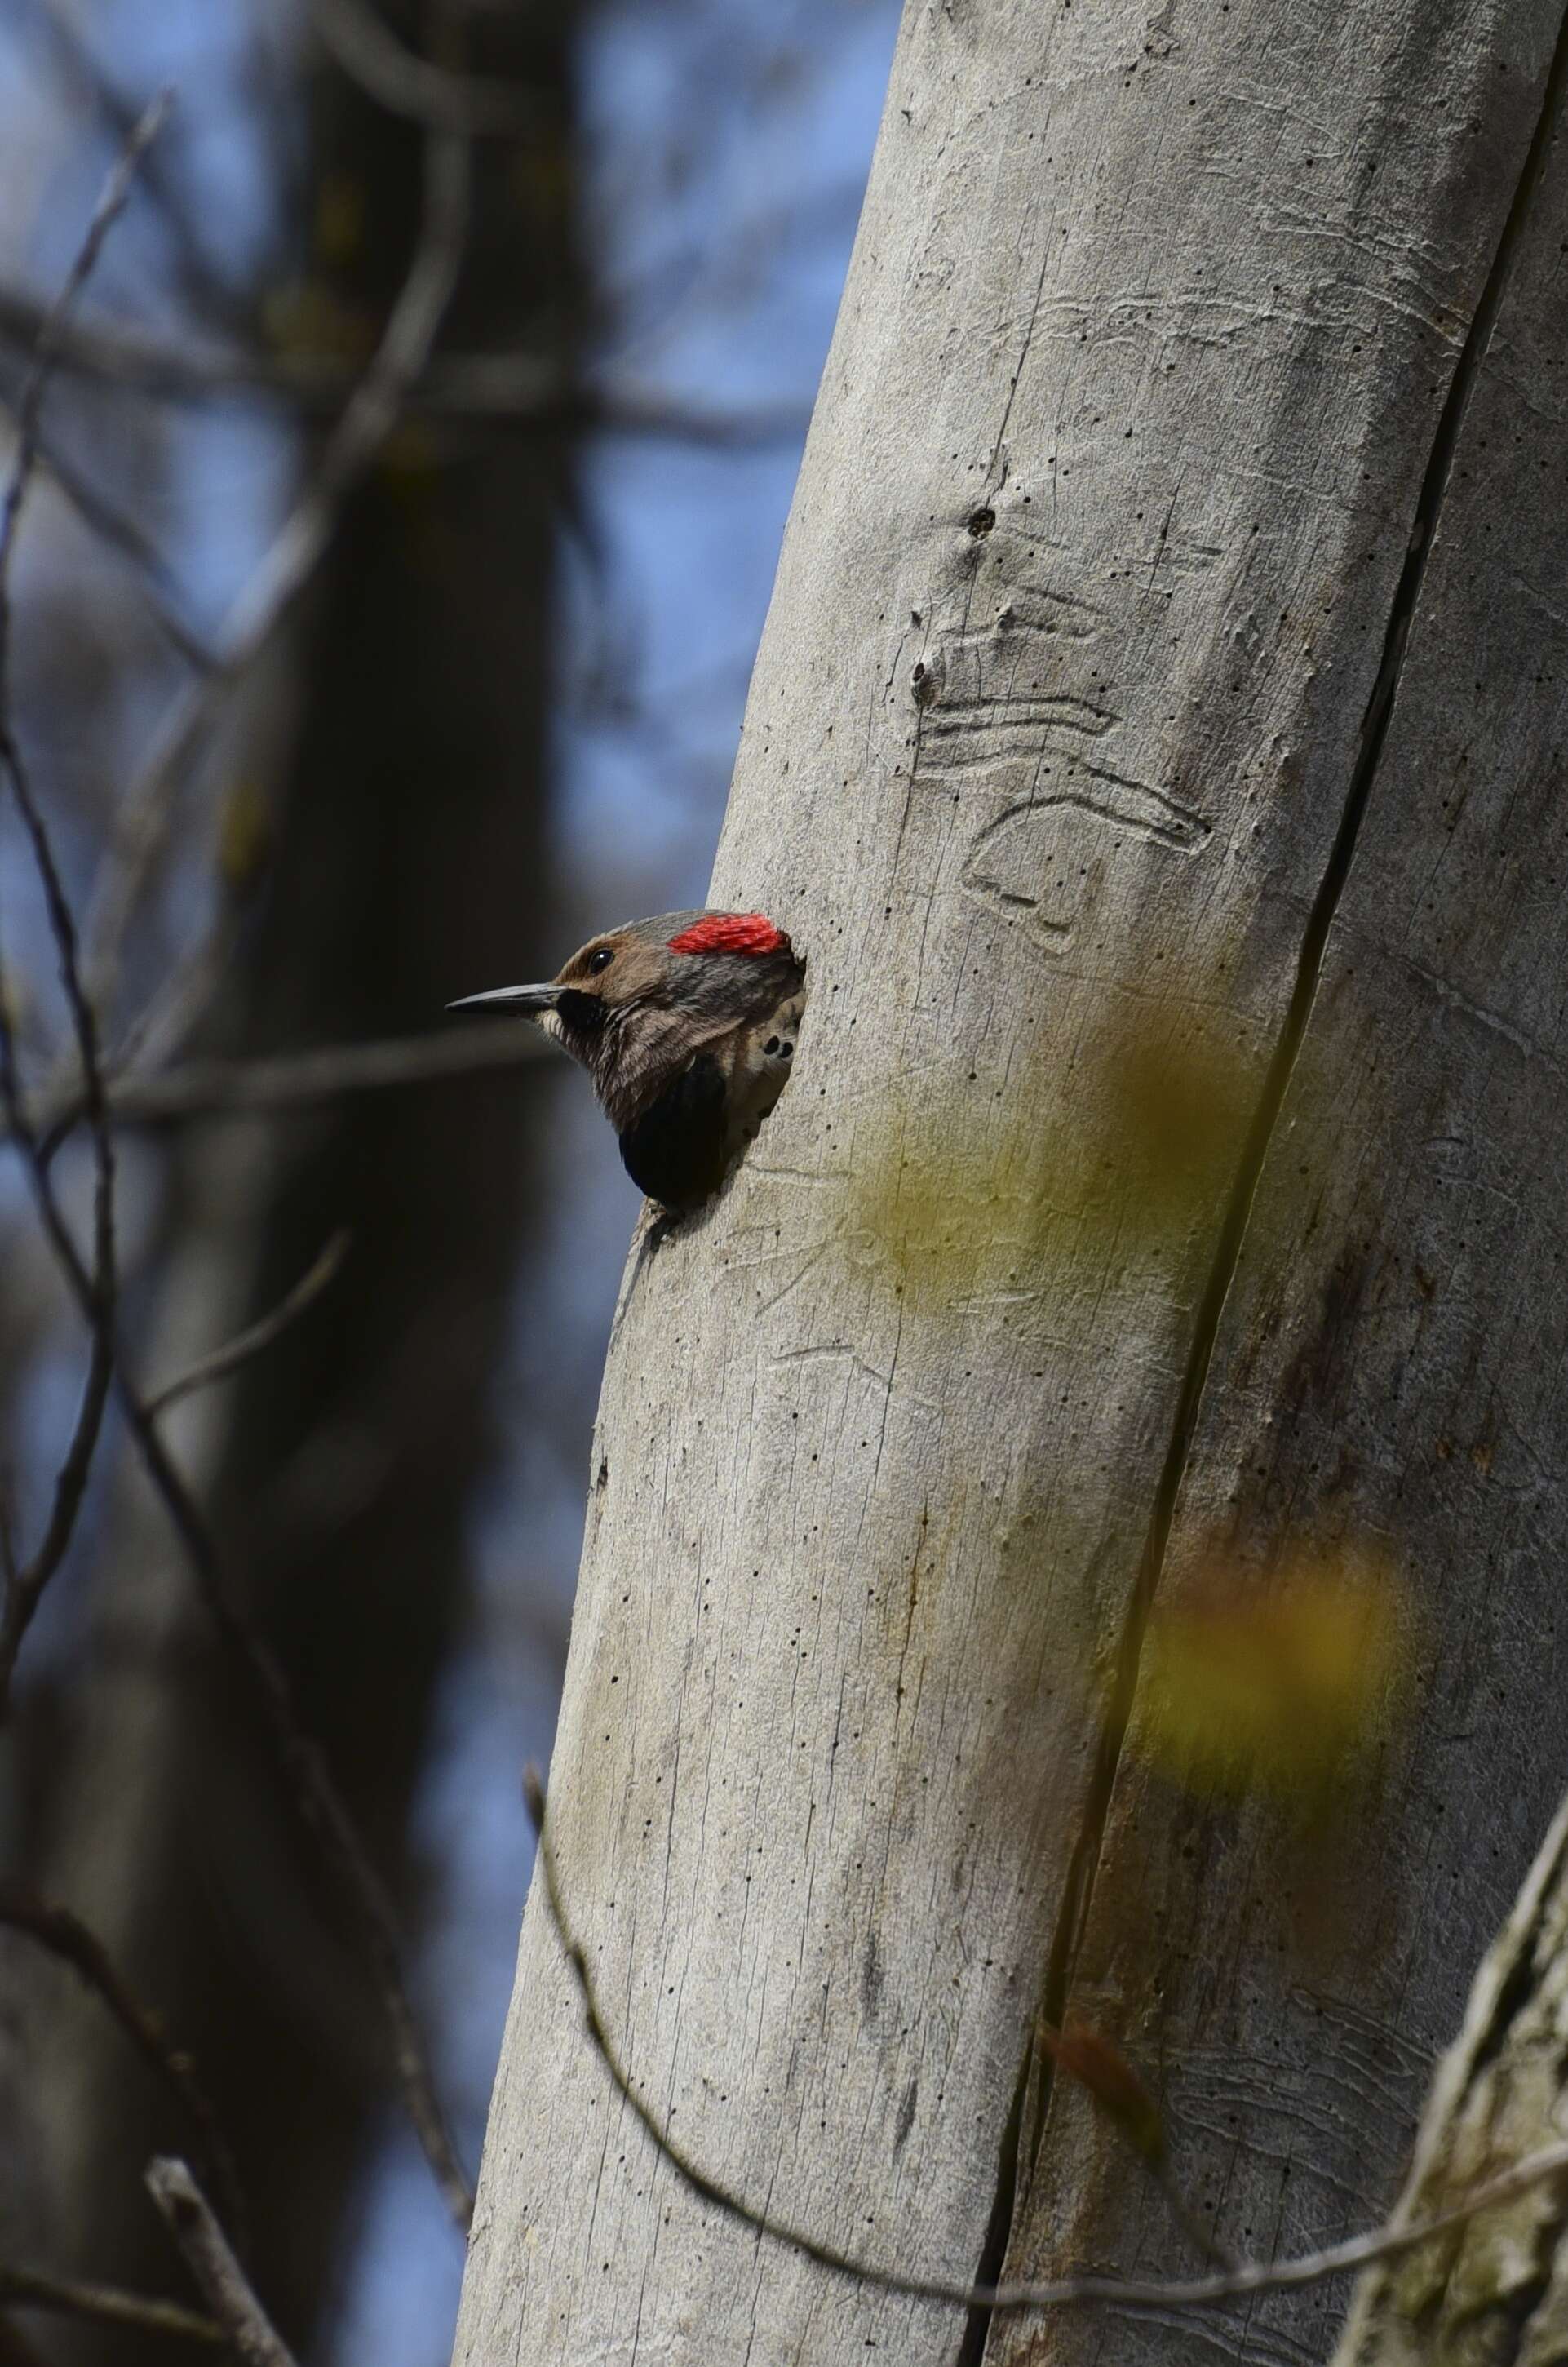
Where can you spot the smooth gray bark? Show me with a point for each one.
(1496, 2292)
(1163, 668)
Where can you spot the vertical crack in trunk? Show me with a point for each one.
(1078, 1890)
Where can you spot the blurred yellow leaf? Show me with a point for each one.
(1275, 1682)
(1130, 1146)
(1169, 1118)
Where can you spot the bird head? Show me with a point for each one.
(636, 1004)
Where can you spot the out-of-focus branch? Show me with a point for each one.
(159, 1028)
(371, 55)
(315, 1794)
(199, 277)
(120, 534)
(52, 328)
(188, 2217)
(199, 1089)
(1241, 2281)
(67, 2297)
(310, 1786)
(316, 1798)
(520, 389)
(25, 1586)
(66, 1937)
(177, 369)
(258, 1336)
(145, 816)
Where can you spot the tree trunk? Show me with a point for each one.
(1496, 2292)
(1156, 748)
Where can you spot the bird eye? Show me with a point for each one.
(602, 959)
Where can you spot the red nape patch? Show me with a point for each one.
(731, 933)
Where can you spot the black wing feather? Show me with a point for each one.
(675, 1151)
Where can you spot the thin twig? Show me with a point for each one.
(315, 1795)
(275, 583)
(200, 1089)
(188, 2217)
(414, 320)
(371, 55)
(206, 289)
(66, 1936)
(52, 328)
(318, 1800)
(67, 2297)
(294, 1080)
(25, 1588)
(1241, 2282)
(119, 533)
(159, 1030)
(258, 1335)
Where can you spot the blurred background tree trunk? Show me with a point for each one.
(392, 786)
(1072, 1533)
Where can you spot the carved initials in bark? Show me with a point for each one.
(993, 706)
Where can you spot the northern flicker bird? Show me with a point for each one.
(686, 1025)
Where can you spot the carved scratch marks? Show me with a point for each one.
(1017, 731)
(1014, 711)
(1026, 861)
(994, 697)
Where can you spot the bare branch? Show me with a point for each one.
(51, 329)
(145, 362)
(120, 534)
(159, 1030)
(316, 1798)
(199, 1089)
(1242, 2281)
(66, 1937)
(259, 1335)
(314, 1792)
(374, 406)
(202, 280)
(188, 2217)
(66, 2297)
(25, 1587)
(405, 344)
(288, 564)
(520, 389)
(311, 1785)
(372, 56)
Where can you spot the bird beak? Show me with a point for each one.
(532, 1001)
